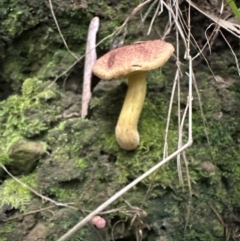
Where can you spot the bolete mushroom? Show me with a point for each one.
(132, 62)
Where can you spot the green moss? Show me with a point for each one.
(7, 230)
(81, 163)
(27, 115)
(64, 219)
(36, 46)
(60, 61)
(86, 166)
(15, 194)
(18, 17)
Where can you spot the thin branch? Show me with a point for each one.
(29, 213)
(118, 31)
(90, 59)
(59, 30)
(117, 195)
(35, 192)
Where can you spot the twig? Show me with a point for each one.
(35, 192)
(67, 116)
(90, 59)
(233, 28)
(154, 16)
(135, 10)
(29, 213)
(122, 191)
(84, 221)
(59, 30)
(117, 195)
(217, 214)
(148, 11)
(233, 53)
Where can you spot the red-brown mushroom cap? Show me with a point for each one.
(140, 56)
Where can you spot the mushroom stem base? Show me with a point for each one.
(126, 130)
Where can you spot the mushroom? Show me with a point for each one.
(99, 222)
(132, 62)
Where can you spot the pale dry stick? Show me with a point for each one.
(201, 53)
(194, 43)
(135, 10)
(188, 176)
(113, 227)
(35, 192)
(201, 110)
(59, 30)
(153, 18)
(29, 213)
(217, 214)
(167, 30)
(148, 11)
(186, 162)
(181, 126)
(177, 2)
(180, 134)
(176, 81)
(211, 37)
(65, 80)
(180, 142)
(227, 227)
(215, 30)
(169, 25)
(183, 25)
(121, 210)
(80, 58)
(235, 57)
(176, 22)
(188, 214)
(122, 191)
(67, 116)
(189, 34)
(178, 72)
(161, 8)
(165, 149)
(90, 59)
(84, 221)
(233, 28)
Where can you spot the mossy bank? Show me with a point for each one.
(78, 162)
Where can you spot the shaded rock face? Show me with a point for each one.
(5, 89)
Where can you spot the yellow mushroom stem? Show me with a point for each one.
(126, 129)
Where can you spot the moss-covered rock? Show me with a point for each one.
(24, 155)
(30, 114)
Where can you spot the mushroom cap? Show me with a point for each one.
(140, 56)
(98, 222)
